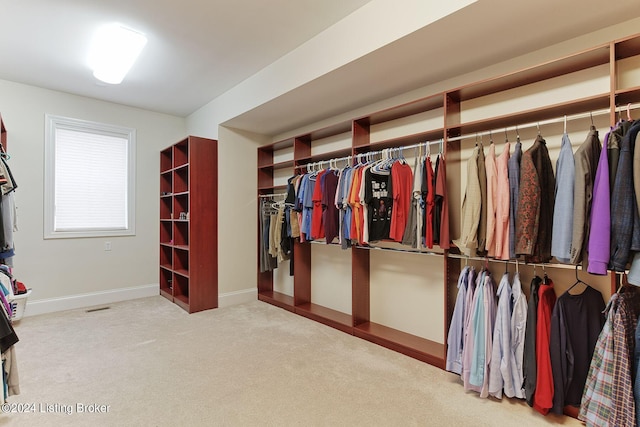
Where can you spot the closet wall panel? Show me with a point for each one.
(331, 287)
(407, 293)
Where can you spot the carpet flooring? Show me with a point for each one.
(146, 362)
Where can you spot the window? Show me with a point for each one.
(89, 179)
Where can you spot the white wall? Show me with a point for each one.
(60, 271)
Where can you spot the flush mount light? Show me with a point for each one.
(113, 52)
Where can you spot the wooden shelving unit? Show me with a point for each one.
(450, 108)
(189, 242)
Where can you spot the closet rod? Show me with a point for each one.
(339, 159)
(544, 122)
(522, 263)
(381, 248)
(264, 196)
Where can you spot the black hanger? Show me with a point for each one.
(578, 281)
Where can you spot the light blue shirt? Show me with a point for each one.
(562, 232)
(500, 367)
(518, 326)
(478, 360)
(455, 338)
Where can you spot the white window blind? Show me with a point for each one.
(89, 179)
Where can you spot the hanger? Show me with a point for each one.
(538, 126)
(565, 123)
(506, 137)
(517, 134)
(578, 281)
(629, 112)
(517, 268)
(506, 267)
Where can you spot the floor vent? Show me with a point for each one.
(91, 310)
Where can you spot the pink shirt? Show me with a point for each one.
(492, 188)
(502, 205)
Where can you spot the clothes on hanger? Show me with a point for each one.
(514, 194)
(599, 243)
(625, 220)
(586, 162)
(500, 372)
(562, 232)
(502, 205)
(608, 398)
(455, 337)
(535, 204)
(576, 323)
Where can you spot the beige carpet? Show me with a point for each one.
(247, 365)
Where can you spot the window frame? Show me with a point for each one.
(54, 122)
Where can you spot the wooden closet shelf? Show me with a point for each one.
(327, 316)
(420, 348)
(277, 298)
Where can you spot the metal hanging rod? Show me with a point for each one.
(264, 196)
(372, 153)
(380, 248)
(547, 122)
(511, 261)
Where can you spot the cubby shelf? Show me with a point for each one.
(447, 108)
(188, 246)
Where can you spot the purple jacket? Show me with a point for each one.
(599, 245)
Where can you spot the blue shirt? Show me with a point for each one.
(562, 232)
(455, 337)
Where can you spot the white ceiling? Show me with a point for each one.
(198, 49)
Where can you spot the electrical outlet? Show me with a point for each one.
(107, 246)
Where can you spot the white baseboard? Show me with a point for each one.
(35, 307)
(237, 297)
(89, 299)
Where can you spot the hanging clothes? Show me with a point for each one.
(576, 323)
(411, 231)
(455, 337)
(529, 366)
(518, 327)
(475, 285)
(492, 198)
(379, 200)
(514, 195)
(586, 159)
(600, 242)
(471, 208)
(429, 194)
(608, 398)
(502, 205)
(483, 321)
(330, 216)
(562, 232)
(317, 225)
(402, 183)
(543, 399)
(625, 220)
(500, 373)
(535, 204)
(441, 214)
(482, 180)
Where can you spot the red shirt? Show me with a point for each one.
(430, 201)
(402, 182)
(317, 227)
(543, 397)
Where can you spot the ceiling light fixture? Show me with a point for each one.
(113, 52)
